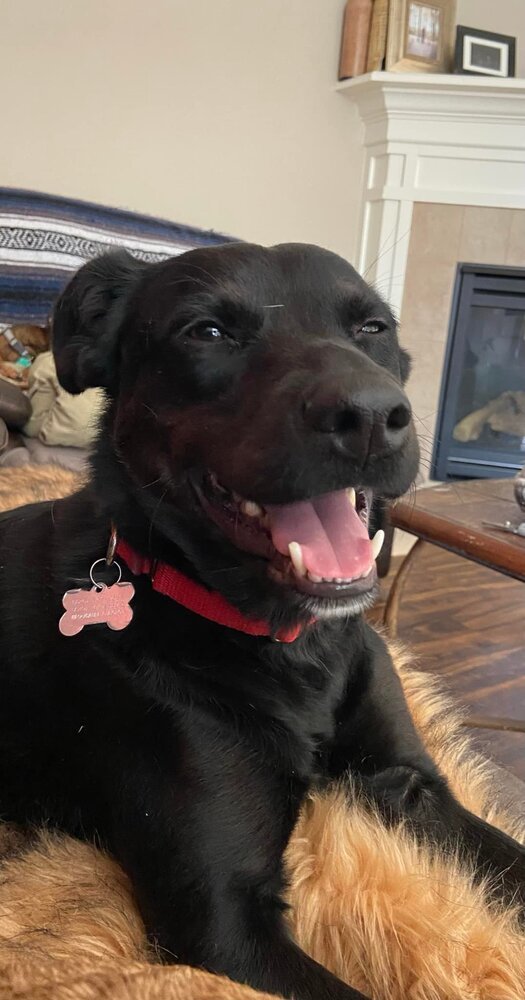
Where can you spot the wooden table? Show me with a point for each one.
(452, 516)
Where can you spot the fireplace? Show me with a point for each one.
(442, 182)
(480, 430)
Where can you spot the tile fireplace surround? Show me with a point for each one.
(444, 182)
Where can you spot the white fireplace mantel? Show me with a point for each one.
(432, 138)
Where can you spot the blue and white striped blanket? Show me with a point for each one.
(44, 238)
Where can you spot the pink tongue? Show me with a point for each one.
(332, 536)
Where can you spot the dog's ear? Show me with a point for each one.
(87, 321)
(405, 364)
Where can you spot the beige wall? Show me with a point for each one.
(504, 16)
(219, 113)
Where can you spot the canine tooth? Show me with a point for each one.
(351, 494)
(296, 555)
(377, 542)
(251, 508)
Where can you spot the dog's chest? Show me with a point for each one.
(294, 695)
(276, 702)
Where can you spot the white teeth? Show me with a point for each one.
(314, 578)
(377, 542)
(351, 494)
(251, 509)
(296, 555)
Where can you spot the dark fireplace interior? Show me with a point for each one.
(480, 430)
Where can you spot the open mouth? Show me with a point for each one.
(318, 546)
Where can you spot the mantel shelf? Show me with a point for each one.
(439, 100)
(431, 83)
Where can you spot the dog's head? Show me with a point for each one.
(256, 407)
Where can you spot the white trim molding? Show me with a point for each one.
(432, 138)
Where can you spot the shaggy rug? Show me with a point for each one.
(389, 916)
(392, 917)
(32, 483)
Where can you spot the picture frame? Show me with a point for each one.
(484, 53)
(420, 36)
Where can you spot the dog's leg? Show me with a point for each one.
(377, 744)
(208, 893)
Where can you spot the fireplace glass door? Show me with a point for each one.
(481, 424)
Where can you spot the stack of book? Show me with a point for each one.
(364, 40)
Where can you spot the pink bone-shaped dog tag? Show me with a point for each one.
(100, 605)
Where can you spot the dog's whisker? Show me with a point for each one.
(198, 267)
(386, 249)
(155, 514)
(154, 482)
(150, 410)
(381, 248)
(185, 281)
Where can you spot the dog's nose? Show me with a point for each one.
(365, 422)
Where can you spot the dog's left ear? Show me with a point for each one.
(405, 364)
(87, 321)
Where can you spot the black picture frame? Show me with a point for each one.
(495, 43)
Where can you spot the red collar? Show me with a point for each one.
(208, 603)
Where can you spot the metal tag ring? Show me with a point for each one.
(102, 585)
(112, 544)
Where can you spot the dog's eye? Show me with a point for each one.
(373, 326)
(208, 332)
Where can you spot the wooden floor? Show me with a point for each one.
(467, 624)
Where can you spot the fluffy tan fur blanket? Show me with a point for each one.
(385, 914)
(32, 483)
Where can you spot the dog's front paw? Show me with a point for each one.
(405, 792)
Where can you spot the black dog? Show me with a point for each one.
(255, 410)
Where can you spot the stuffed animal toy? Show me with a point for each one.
(19, 344)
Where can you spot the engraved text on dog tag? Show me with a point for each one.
(99, 605)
